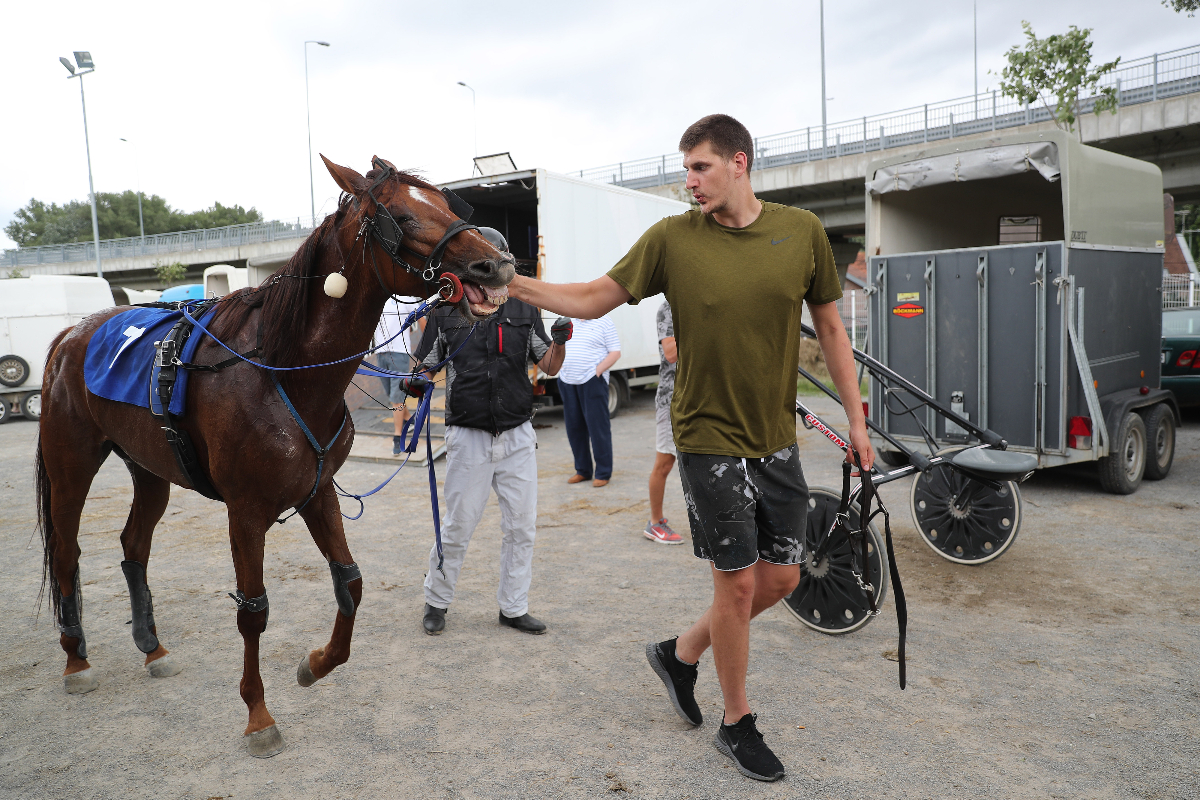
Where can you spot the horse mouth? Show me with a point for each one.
(482, 301)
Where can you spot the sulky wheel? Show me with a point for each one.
(963, 520)
(828, 598)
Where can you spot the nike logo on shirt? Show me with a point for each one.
(777, 241)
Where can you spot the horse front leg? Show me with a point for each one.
(324, 519)
(247, 540)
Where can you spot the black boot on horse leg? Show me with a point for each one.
(324, 521)
(150, 496)
(78, 677)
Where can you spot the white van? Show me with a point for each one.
(32, 312)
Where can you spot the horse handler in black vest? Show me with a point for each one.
(490, 444)
(737, 272)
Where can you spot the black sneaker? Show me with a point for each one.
(743, 743)
(678, 677)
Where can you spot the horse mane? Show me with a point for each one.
(285, 307)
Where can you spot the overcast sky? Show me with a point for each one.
(211, 95)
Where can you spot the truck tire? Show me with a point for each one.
(1121, 471)
(14, 370)
(1160, 441)
(31, 406)
(618, 393)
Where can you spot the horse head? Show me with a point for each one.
(414, 236)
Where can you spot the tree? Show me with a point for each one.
(1057, 67)
(1180, 6)
(117, 217)
(169, 273)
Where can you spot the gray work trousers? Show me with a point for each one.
(476, 463)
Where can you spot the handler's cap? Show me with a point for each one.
(495, 239)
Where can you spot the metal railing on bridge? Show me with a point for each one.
(1142, 80)
(159, 244)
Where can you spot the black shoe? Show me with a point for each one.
(524, 623)
(435, 620)
(397, 445)
(679, 678)
(743, 743)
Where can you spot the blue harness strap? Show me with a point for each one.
(312, 440)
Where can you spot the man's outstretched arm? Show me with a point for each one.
(590, 300)
(839, 360)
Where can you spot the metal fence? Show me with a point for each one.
(163, 244)
(1139, 81)
(853, 308)
(1181, 291)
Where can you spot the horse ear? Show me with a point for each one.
(349, 180)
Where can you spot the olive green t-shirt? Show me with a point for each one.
(736, 297)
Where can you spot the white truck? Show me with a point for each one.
(565, 230)
(32, 312)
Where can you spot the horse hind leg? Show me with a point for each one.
(150, 495)
(324, 520)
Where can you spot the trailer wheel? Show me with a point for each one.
(1122, 470)
(5, 409)
(14, 370)
(1160, 436)
(963, 520)
(618, 391)
(31, 406)
(828, 599)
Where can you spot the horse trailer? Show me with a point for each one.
(1018, 280)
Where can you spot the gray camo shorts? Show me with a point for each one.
(745, 509)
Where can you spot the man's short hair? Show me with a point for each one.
(726, 135)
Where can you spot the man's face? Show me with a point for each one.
(710, 177)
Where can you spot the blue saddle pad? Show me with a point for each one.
(120, 357)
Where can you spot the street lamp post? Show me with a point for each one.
(138, 171)
(474, 121)
(824, 134)
(84, 59)
(312, 195)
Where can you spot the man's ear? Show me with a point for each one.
(349, 180)
(739, 161)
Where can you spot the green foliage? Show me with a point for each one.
(117, 217)
(1190, 6)
(169, 273)
(1058, 67)
(16, 272)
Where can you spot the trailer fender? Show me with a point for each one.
(1116, 405)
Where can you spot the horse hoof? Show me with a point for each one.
(81, 682)
(163, 667)
(265, 743)
(304, 673)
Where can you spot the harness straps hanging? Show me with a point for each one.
(312, 440)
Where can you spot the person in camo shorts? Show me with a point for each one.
(664, 438)
(738, 272)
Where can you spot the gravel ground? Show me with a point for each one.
(1066, 668)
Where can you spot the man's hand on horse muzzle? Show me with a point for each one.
(414, 386)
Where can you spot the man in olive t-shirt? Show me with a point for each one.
(736, 273)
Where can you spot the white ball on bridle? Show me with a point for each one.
(335, 284)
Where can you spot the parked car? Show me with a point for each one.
(1181, 354)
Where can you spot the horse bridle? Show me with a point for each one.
(383, 226)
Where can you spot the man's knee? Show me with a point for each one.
(735, 589)
(781, 580)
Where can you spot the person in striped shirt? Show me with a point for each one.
(583, 386)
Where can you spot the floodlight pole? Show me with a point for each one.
(975, 36)
(312, 194)
(91, 186)
(138, 172)
(824, 130)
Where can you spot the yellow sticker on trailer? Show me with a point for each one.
(905, 297)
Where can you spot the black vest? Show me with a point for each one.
(491, 390)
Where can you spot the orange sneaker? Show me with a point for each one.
(661, 532)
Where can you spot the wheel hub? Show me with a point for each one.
(817, 569)
(960, 513)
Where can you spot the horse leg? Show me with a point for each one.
(63, 481)
(247, 539)
(324, 519)
(150, 495)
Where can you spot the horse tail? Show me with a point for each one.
(41, 482)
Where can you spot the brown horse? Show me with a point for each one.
(250, 447)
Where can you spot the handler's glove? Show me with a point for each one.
(414, 386)
(562, 330)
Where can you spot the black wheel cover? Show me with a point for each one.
(828, 598)
(974, 533)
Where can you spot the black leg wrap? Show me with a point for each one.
(253, 605)
(70, 617)
(142, 603)
(342, 575)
